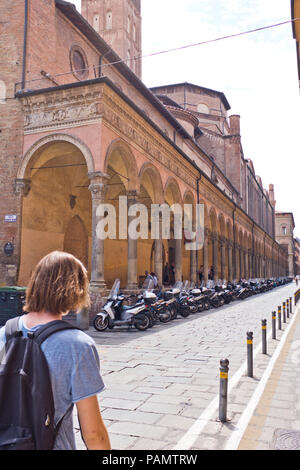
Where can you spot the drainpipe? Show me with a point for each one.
(25, 45)
(234, 241)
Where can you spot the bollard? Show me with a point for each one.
(224, 367)
(250, 353)
(287, 308)
(291, 305)
(274, 325)
(279, 318)
(264, 336)
(283, 312)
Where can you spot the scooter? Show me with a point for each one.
(114, 313)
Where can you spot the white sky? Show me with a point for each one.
(257, 73)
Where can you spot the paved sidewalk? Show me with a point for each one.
(162, 386)
(275, 423)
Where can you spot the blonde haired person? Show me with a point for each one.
(59, 284)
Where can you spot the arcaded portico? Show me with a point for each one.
(98, 149)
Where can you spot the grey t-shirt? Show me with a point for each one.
(75, 374)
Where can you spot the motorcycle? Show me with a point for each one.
(114, 313)
(159, 308)
(181, 304)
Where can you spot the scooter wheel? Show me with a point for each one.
(193, 308)
(184, 312)
(166, 316)
(100, 323)
(141, 322)
(200, 307)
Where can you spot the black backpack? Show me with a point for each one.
(26, 399)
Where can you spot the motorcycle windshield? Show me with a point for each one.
(178, 285)
(114, 290)
(186, 285)
(148, 285)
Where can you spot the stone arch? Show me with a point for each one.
(172, 187)
(157, 190)
(36, 149)
(120, 159)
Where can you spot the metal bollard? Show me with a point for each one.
(283, 311)
(224, 367)
(274, 325)
(250, 353)
(291, 305)
(287, 308)
(264, 336)
(279, 317)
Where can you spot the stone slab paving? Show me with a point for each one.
(159, 382)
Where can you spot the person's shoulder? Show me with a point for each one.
(73, 340)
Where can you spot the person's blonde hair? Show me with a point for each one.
(58, 284)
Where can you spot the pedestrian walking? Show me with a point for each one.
(58, 285)
(201, 274)
(166, 275)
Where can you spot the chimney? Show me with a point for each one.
(272, 195)
(235, 126)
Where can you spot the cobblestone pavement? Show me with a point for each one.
(162, 385)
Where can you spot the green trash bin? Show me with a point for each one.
(12, 300)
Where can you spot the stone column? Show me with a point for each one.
(223, 257)
(158, 255)
(237, 262)
(215, 254)
(193, 266)
(132, 284)
(205, 256)
(11, 264)
(246, 271)
(230, 267)
(178, 260)
(98, 189)
(241, 262)
(250, 267)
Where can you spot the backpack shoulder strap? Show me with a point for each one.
(50, 328)
(12, 328)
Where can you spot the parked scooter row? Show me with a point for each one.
(183, 299)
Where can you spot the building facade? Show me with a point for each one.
(79, 128)
(285, 237)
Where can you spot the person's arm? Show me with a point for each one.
(93, 429)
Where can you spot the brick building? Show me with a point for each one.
(284, 228)
(79, 127)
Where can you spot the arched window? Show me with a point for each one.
(202, 108)
(96, 23)
(108, 20)
(128, 24)
(284, 230)
(2, 92)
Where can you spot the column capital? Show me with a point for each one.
(98, 186)
(98, 175)
(22, 187)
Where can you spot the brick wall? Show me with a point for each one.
(11, 123)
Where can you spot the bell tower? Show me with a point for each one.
(119, 23)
